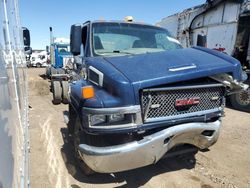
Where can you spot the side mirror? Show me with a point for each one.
(47, 49)
(28, 50)
(75, 39)
(26, 36)
(202, 40)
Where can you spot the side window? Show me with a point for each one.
(85, 39)
(84, 35)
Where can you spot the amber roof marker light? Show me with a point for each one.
(129, 19)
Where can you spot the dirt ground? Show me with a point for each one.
(52, 164)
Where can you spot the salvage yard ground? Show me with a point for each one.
(52, 163)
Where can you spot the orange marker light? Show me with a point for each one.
(88, 92)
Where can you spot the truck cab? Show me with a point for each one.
(59, 71)
(60, 52)
(142, 94)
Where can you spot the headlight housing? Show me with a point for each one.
(98, 119)
(112, 117)
(110, 120)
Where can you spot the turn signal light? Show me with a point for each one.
(88, 92)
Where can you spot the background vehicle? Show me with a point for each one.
(39, 59)
(14, 137)
(27, 48)
(220, 25)
(61, 63)
(142, 94)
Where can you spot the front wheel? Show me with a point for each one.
(72, 120)
(83, 166)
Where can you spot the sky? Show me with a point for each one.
(39, 15)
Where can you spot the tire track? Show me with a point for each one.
(54, 159)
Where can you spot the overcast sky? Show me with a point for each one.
(38, 15)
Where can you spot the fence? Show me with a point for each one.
(14, 138)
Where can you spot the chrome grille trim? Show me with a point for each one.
(183, 87)
(158, 104)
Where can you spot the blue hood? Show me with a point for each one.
(152, 69)
(124, 76)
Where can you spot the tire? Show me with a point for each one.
(28, 64)
(48, 72)
(65, 90)
(82, 165)
(241, 101)
(72, 120)
(38, 65)
(57, 92)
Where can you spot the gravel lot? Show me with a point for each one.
(52, 164)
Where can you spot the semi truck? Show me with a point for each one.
(142, 95)
(61, 63)
(221, 25)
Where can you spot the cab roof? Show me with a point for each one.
(118, 21)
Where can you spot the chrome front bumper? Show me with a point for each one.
(150, 149)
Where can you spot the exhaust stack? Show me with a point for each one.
(52, 49)
(51, 35)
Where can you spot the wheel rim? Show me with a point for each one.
(243, 98)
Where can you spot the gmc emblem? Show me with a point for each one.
(187, 102)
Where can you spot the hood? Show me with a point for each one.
(152, 69)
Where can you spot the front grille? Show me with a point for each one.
(175, 102)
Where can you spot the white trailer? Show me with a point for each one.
(14, 122)
(222, 25)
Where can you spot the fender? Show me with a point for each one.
(237, 74)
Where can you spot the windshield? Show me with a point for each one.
(63, 49)
(110, 39)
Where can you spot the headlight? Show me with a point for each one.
(98, 119)
(116, 117)
(112, 119)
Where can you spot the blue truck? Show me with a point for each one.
(142, 95)
(61, 62)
